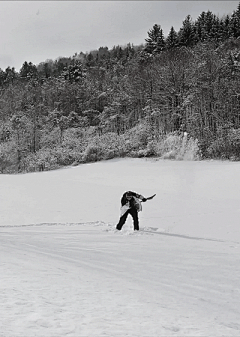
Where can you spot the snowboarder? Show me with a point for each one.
(130, 204)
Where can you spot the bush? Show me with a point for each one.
(133, 144)
(8, 155)
(92, 153)
(106, 146)
(178, 147)
(138, 137)
(79, 146)
(149, 151)
(226, 146)
(42, 160)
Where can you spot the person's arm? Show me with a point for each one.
(139, 196)
(124, 200)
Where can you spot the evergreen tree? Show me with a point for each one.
(11, 75)
(74, 72)
(208, 25)
(2, 77)
(216, 34)
(234, 25)
(155, 41)
(199, 29)
(172, 39)
(224, 28)
(187, 33)
(90, 60)
(28, 71)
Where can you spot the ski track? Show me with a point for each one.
(66, 273)
(90, 280)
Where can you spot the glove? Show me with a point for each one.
(144, 199)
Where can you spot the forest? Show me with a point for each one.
(175, 96)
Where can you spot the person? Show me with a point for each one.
(130, 204)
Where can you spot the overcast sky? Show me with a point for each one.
(35, 31)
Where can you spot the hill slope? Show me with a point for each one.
(65, 271)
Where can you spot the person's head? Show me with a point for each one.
(129, 195)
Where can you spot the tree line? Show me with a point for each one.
(127, 101)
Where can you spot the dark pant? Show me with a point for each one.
(134, 214)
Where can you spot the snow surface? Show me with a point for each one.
(65, 271)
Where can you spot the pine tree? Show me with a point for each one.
(172, 39)
(155, 41)
(216, 29)
(187, 33)
(10, 75)
(200, 30)
(208, 25)
(234, 25)
(28, 71)
(224, 28)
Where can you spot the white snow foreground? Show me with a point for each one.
(66, 271)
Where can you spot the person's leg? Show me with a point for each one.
(134, 214)
(122, 220)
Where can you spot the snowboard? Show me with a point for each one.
(152, 196)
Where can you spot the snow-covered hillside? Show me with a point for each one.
(66, 272)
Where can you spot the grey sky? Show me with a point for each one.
(39, 30)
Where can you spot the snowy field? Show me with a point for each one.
(65, 271)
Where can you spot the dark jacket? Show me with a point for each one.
(132, 202)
